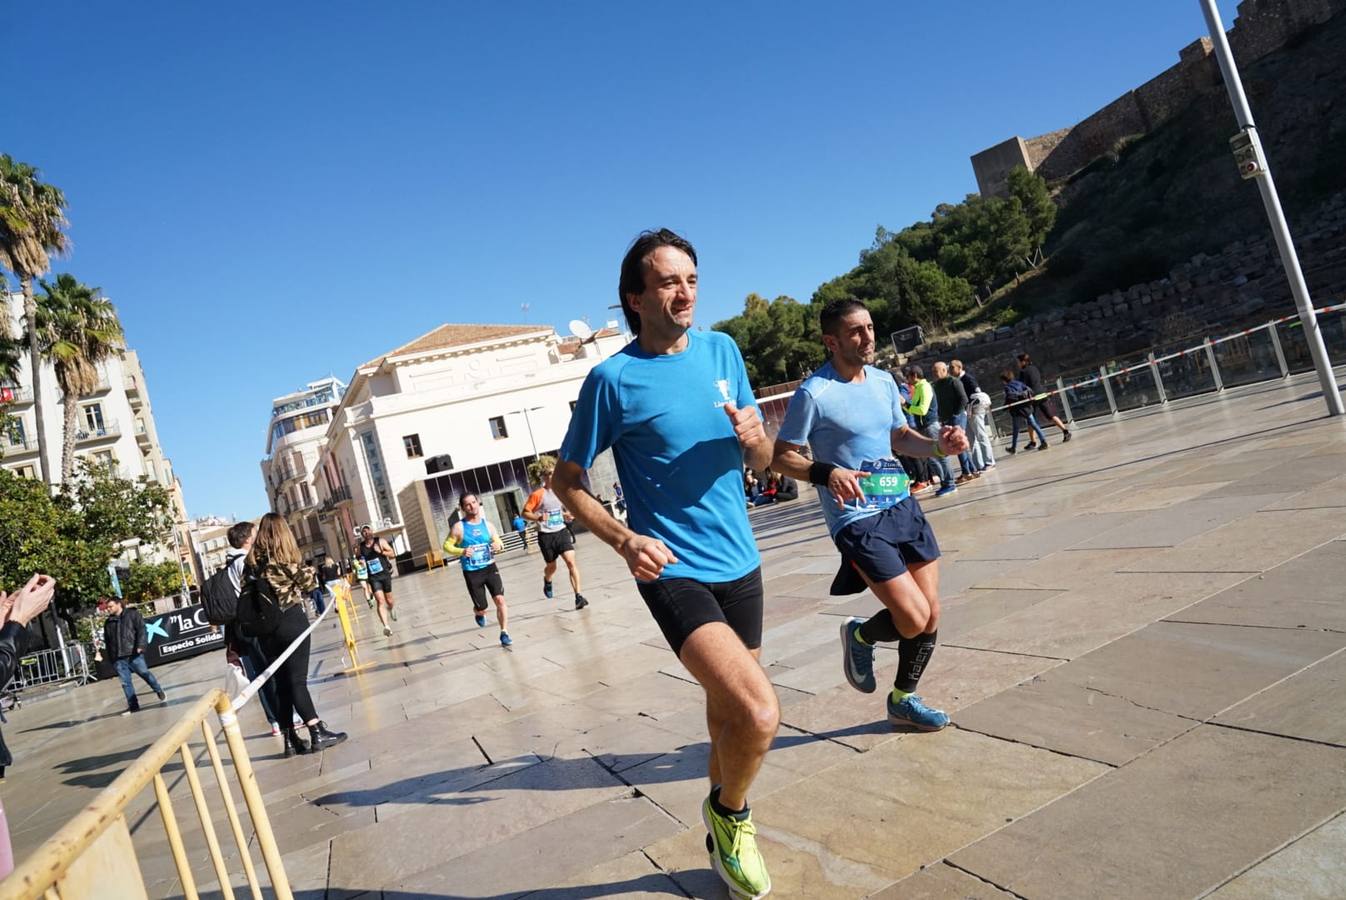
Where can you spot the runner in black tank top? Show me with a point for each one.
(380, 567)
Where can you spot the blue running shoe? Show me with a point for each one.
(911, 711)
(505, 641)
(481, 621)
(546, 589)
(857, 657)
(947, 490)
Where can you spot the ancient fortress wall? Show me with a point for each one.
(1260, 27)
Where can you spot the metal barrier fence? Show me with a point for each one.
(1273, 350)
(49, 667)
(93, 855)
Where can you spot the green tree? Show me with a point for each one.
(150, 581)
(1031, 192)
(32, 228)
(73, 535)
(77, 328)
(779, 340)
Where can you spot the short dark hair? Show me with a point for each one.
(914, 371)
(632, 279)
(463, 497)
(835, 311)
(239, 533)
(1024, 358)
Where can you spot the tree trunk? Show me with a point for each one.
(70, 404)
(35, 362)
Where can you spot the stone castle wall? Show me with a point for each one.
(1241, 286)
(1260, 27)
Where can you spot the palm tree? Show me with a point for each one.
(32, 219)
(77, 328)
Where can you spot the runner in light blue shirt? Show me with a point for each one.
(850, 416)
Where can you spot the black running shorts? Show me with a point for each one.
(554, 543)
(381, 582)
(682, 605)
(483, 584)
(882, 546)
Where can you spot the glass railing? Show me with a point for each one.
(1197, 366)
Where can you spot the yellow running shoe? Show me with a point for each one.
(733, 853)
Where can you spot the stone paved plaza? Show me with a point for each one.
(1141, 648)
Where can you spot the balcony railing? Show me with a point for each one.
(103, 432)
(16, 395)
(11, 447)
(341, 494)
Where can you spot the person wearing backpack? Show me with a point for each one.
(219, 596)
(271, 605)
(1019, 399)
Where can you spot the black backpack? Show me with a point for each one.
(219, 598)
(258, 611)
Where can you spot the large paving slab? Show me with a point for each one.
(1131, 834)
(1312, 868)
(1304, 593)
(1089, 616)
(1197, 670)
(1305, 705)
(1060, 715)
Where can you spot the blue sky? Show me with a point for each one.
(272, 192)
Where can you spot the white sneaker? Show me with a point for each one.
(275, 730)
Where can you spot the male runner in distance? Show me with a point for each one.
(850, 416)
(474, 541)
(378, 556)
(676, 408)
(553, 529)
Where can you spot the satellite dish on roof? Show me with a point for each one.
(580, 329)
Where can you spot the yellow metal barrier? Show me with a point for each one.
(346, 613)
(93, 856)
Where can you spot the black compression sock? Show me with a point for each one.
(913, 654)
(880, 629)
(722, 810)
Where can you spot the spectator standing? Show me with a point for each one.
(952, 399)
(925, 407)
(274, 570)
(238, 645)
(978, 418)
(917, 467)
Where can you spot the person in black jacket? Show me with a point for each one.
(124, 643)
(1031, 375)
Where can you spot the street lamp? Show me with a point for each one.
(1252, 164)
(529, 422)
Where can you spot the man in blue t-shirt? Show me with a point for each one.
(676, 408)
(851, 417)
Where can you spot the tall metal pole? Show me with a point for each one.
(1289, 258)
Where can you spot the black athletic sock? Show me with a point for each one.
(913, 654)
(722, 810)
(880, 629)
